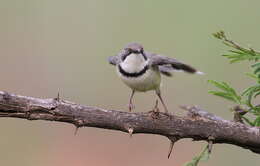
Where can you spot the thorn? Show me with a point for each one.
(28, 115)
(58, 97)
(130, 131)
(28, 112)
(170, 149)
(76, 130)
(78, 125)
(172, 139)
(210, 144)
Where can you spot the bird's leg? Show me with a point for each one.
(130, 105)
(156, 109)
(158, 92)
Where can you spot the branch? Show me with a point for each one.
(198, 124)
(240, 53)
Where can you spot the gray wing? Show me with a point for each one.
(114, 60)
(166, 70)
(167, 65)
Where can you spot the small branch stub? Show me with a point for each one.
(78, 125)
(210, 144)
(76, 130)
(58, 97)
(130, 131)
(238, 113)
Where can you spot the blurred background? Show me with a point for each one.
(62, 46)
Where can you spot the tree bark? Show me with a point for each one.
(197, 124)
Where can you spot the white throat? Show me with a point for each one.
(133, 63)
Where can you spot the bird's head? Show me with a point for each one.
(135, 48)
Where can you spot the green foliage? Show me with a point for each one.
(227, 91)
(237, 53)
(245, 98)
(203, 156)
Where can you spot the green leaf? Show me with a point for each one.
(236, 52)
(251, 75)
(220, 85)
(256, 111)
(257, 70)
(257, 121)
(228, 92)
(239, 53)
(256, 94)
(230, 89)
(235, 60)
(250, 92)
(256, 65)
(223, 94)
(248, 121)
(203, 156)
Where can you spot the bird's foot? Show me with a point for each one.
(130, 107)
(155, 112)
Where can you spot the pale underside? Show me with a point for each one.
(150, 80)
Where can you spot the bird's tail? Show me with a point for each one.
(186, 68)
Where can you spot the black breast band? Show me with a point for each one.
(135, 74)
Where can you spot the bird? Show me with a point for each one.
(141, 70)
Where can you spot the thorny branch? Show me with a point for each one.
(197, 124)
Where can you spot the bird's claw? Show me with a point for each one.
(155, 112)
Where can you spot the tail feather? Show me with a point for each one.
(186, 68)
(180, 67)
